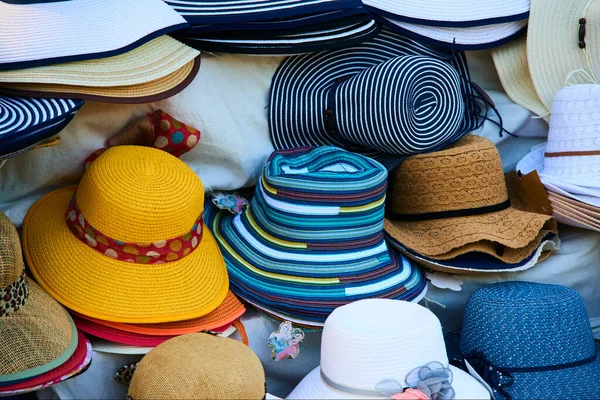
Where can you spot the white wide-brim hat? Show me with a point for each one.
(461, 13)
(45, 33)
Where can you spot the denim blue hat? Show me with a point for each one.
(529, 341)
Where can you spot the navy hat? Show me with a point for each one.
(386, 98)
(26, 121)
(529, 341)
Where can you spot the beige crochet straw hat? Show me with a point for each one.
(36, 333)
(451, 202)
(563, 45)
(199, 366)
(513, 70)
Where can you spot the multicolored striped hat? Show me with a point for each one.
(311, 238)
(387, 98)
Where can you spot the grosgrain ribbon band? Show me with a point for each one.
(573, 153)
(142, 253)
(348, 389)
(468, 212)
(13, 296)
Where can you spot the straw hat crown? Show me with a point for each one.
(11, 258)
(142, 195)
(467, 175)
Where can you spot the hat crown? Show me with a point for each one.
(525, 324)
(11, 257)
(371, 340)
(141, 195)
(466, 175)
(339, 190)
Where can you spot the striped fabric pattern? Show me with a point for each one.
(304, 87)
(311, 238)
(25, 121)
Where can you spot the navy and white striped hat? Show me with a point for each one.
(26, 121)
(387, 98)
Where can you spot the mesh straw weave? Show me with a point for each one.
(199, 366)
(466, 175)
(11, 258)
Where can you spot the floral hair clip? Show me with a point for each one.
(285, 342)
(429, 382)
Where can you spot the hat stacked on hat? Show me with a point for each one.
(451, 210)
(529, 341)
(199, 366)
(569, 163)
(412, 99)
(131, 256)
(464, 24)
(380, 348)
(311, 239)
(39, 344)
(87, 49)
(274, 27)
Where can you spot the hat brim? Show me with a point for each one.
(313, 387)
(114, 335)
(512, 67)
(71, 367)
(476, 262)
(37, 338)
(90, 283)
(147, 92)
(571, 383)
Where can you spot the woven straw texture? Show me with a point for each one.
(511, 63)
(35, 337)
(117, 336)
(132, 194)
(552, 45)
(11, 258)
(199, 366)
(465, 176)
(154, 90)
(228, 311)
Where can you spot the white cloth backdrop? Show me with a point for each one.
(228, 103)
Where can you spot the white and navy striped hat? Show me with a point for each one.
(387, 98)
(26, 121)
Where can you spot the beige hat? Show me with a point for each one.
(36, 333)
(513, 70)
(454, 201)
(199, 366)
(563, 45)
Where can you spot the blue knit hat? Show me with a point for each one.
(529, 341)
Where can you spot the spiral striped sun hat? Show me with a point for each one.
(311, 238)
(26, 121)
(78, 30)
(386, 98)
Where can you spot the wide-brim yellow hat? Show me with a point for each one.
(130, 194)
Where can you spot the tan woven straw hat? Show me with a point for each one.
(199, 366)
(563, 45)
(451, 202)
(148, 73)
(512, 67)
(36, 333)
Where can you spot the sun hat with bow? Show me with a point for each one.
(529, 341)
(455, 201)
(36, 333)
(199, 366)
(150, 72)
(337, 98)
(128, 243)
(27, 121)
(380, 348)
(78, 30)
(311, 238)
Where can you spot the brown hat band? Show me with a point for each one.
(13, 296)
(467, 212)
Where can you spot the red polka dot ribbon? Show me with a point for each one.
(159, 252)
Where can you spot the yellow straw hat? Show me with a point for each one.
(36, 333)
(199, 366)
(157, 67)
(128, 244)
(563, 45)
(512, 67)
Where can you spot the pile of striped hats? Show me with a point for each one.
(274, 27)
(311, 238)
